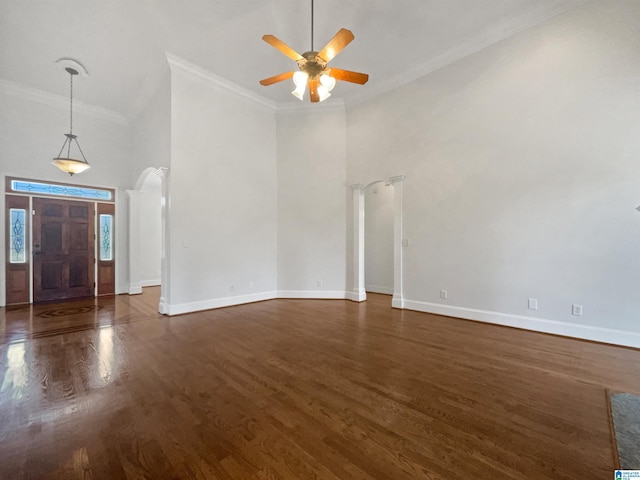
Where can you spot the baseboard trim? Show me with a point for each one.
(135, 288)
(314, 294)
(357, 295)
(162, 306)
(398, 302)
(379, 289)
(574, 330)
(182, 308)
(150, 283)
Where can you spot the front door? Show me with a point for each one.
(63, 249)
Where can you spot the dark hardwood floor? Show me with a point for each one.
(298, 389)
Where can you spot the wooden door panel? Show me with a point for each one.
(106, 276)
(79, 273)
(52, 210)
(63, 243)
(16, 283)
(51, 276)
(78, 237)
(51, 239)
(79, 211)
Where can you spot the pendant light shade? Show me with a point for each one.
(326, 85)
(300, 81)
(67, 163)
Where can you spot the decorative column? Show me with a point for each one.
(135, 285)
(398, 299)
(358, 293)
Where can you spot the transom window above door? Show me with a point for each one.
(30, 187)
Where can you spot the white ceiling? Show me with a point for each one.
(122, 43)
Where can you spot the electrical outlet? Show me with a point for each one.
(533, 304)
(231, 287)
(576, 310)
(444, 294)
(319, 283)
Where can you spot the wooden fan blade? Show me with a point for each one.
(348, 76)
(336, 44)
(276, 78)
(282, 47)
(313, 90)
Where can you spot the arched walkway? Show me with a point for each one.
(135, 238)
(358, 292)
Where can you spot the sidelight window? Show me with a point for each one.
(17, 232)
(106, 237)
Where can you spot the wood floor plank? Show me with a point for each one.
(298, 389)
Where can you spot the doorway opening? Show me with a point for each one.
(151, 231)
(358, 293)
(148, 266)
(378, 238)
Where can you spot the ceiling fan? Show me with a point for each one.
(313, 69)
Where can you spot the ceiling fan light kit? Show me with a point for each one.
(313, 72)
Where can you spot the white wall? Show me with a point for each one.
(312, 196)
(151, 130)
(32, 128)
(522, 176)
(378, 238)
(222, 186)
(150, 231)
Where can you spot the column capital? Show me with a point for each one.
(397, 178)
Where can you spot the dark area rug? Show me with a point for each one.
(625, 416)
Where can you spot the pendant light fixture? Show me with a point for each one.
(66, 163)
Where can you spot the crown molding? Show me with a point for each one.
(199, 74)
(58, 101)
(205, 77)
(458, 53)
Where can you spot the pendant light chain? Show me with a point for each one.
(71, 122)
(312, 25)
(71, 106)
(70, 115)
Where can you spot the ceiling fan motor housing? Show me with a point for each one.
(312, 64)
